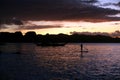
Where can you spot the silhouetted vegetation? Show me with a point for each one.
(60, 38)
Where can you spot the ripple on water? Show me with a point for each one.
(60, 63)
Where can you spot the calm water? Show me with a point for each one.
(102, 62)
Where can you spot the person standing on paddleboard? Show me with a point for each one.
(81, 45)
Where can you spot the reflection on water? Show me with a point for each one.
(102, 62)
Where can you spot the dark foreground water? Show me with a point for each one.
(102, 62)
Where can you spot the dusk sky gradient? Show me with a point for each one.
(60, 16)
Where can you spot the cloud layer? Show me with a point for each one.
(114, 34)
(82, 10)
(15, 14)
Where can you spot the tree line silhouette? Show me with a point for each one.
(31, 36)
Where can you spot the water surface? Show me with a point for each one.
(102, 62)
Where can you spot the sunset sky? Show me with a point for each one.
(59, 16)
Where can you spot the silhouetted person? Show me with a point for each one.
(81, 45)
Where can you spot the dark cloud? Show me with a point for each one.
(111, 4)
(108, 4)
(38, 27)
(114, 34)
(17, 21)
(3, 27)
(55, 10)
(89, 1)
(118, 4)
(117, 24)
(27, 27)
(11, 21)
(91, 33)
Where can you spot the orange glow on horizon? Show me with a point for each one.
(79, 26)
(56, 27)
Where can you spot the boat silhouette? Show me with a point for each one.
(51, 44)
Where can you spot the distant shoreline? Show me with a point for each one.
(32, 37)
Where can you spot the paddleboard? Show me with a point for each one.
(83, 51)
